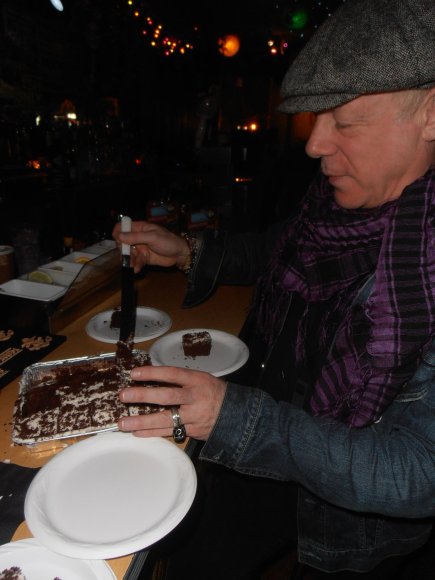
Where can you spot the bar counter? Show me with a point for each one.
(164, 290)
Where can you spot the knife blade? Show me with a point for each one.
(128, 295)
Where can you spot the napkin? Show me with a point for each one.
(14, 482)
(19, 349)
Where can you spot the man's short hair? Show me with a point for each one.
(366, 46)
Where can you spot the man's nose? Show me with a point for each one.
(320, 142)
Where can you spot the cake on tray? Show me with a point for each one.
(76, 396)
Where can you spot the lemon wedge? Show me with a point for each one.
(39, 276)
(81, 260)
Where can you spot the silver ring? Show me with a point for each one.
(179, 430)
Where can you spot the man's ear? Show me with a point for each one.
(429, 120)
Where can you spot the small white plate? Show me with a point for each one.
(63, 266)
(228, 353)
(79, 257)
(150, 323)
(38, 563)
(101, 247)
(110, 495)
(59, 277)
(32, 290)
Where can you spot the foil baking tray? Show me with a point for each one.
(54, 395)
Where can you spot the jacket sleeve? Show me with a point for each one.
(224, 258)
(387, 468)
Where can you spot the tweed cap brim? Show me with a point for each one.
(366, 46)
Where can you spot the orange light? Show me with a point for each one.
(34, 164)
(229, 45)
(243, 179)
(253, 127)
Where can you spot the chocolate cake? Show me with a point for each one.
(115, 319)
(196, 344)
(13, 573)
(75, 397)
(127, 360)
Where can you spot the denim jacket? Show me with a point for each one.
(365, 494)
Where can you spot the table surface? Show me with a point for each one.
(224, 310)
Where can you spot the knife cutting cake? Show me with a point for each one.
(196, 343)
(76, 396)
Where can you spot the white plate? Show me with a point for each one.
(63, 266)
(110, 495)
(60, 278)
(79, 257)
(38, 563)
(101, 247)
(32, 290)
(150, 323)
(228, 353)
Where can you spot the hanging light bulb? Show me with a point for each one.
(229, 45)
(57, 4)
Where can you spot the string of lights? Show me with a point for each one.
(297, 20)
(155, 33)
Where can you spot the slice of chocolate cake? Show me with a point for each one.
(196, 344)
(115, 319)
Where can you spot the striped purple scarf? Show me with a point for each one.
(325, 254)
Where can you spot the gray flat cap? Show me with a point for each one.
(366, 46)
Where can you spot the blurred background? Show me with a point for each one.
(159, 109)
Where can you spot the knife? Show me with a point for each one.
(128, 296)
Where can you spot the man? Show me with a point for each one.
(341, 411)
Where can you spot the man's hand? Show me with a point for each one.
(152, 244)
(199, 398)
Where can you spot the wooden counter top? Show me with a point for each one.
(164, 290)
